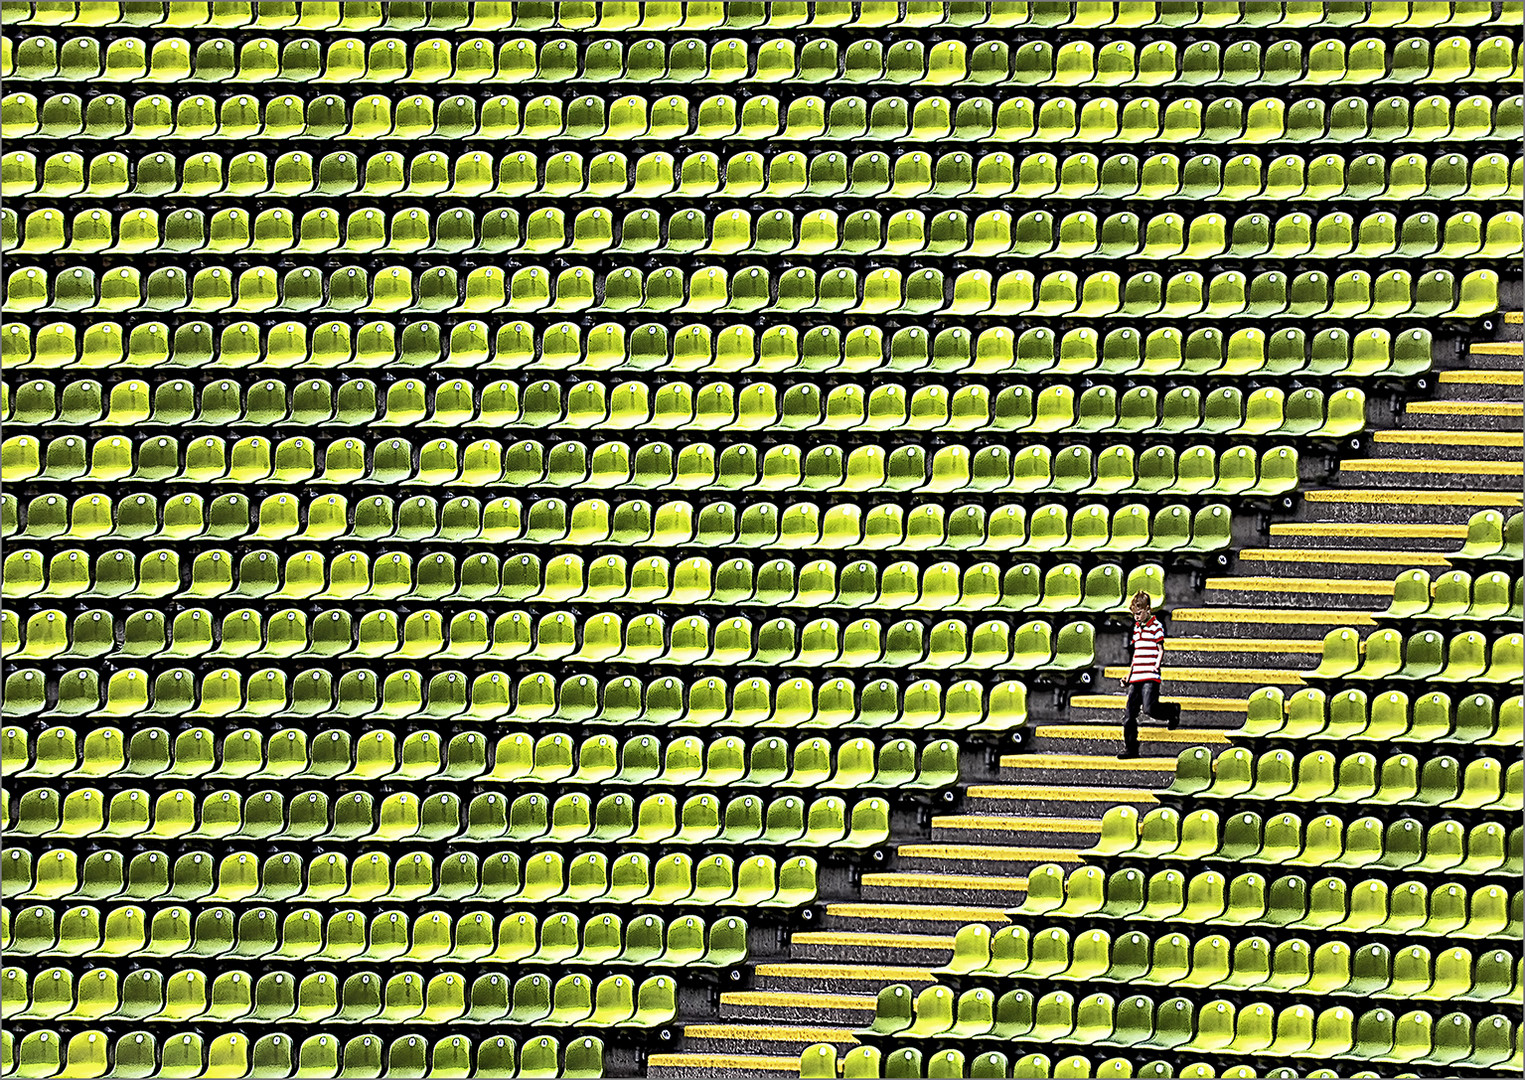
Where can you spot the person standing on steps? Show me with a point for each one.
(1142, 683)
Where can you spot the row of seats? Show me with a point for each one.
(1428, 656)
(1214, 1026)
(516, 757)
(705, 878)
(1386, 717)
(836, 703)
(429, 937)
(439, 575)
(834, 118)
(904, 61)
(267, 815)
(791, 174)
(898, 586)
(941, 586)
(904, 231)
(878, 290)
(1209, 961)
(1053, 527)
(356, 15)
(1457, 594)
(181, 995)
(591, 404)
(1400, 779)
(1446, 845)
(1427, 907)
(819, 1061)
(605, 637)
(140, 1052)
(1035, 468)
(646, 347)
(902, 585)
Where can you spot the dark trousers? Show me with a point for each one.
(1143, 697)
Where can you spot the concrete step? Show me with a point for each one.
(1355, 504)
(1154, 743)
(1371, 563)
(1217, 680)
(1050, 800)
(928, 919)
(694, 1066)
(767, 1039)
(1450, 444)
(989, 860)
(1470, 415)
(1086, 769)
(1480, 385)
(1412, 538)
(1503, 355)
(1248, 620)
(871, 947)
(1447, 474)
(828, 1007)
(903, 887)
(1197, 711)
(1056, 837)
(1358, 594)
(809, 978)
(1292, 653)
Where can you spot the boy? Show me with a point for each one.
(1143, 680)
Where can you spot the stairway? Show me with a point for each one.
(1331, 563)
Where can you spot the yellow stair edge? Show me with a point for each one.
(1331, 586)
(1086, 761)
(1465, 408)
(1010, 823)
(1371, 531)
(1437, 466)
(1484, 377)
(946, 881)
(871, 938)
(1501, 348)
(1402, 497)
(1245, 645)
(938, 913)
(1432, 437)
(1351, 556)
(792, 997)
(1514, 317)
(772, 1033)
(713, 1062)
(977, 853)
(1345, 555)
(1205, 736)
(1061, 794)
(861, 972)
(1273, 616)
(1115, 701)
(1251, 676)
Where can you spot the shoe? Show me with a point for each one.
(1127, 752)
(1144, 719)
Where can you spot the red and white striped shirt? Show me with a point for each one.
(1148, 651)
